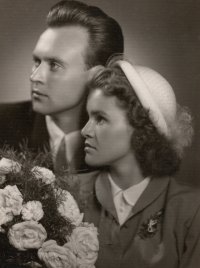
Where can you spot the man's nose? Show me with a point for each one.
(38, 74)
(87, 131)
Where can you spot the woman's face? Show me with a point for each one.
(108, 132)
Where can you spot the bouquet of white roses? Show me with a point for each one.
(40, 223)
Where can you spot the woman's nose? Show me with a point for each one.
(87, 130)
(38, 74)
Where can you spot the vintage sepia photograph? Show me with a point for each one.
(99, 133)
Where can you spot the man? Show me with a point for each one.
(78, 38)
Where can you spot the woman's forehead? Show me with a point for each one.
(98, 101)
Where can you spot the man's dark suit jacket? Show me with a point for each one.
(19, 123)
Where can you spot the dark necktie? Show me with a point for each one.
(61, 161)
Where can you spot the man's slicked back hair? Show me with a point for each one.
(105, 34)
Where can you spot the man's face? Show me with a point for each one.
(59, 73)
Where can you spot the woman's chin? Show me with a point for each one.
(92, 162)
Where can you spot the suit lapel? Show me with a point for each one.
(39, 136)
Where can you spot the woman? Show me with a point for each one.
(137, 132)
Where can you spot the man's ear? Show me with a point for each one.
(93, 71)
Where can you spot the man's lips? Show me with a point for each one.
(36, 93)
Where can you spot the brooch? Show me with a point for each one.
(150, 228)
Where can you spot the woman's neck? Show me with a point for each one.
(126, 173)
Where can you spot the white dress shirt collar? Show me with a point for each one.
(125, 200)
(131, 194)
(73, 139)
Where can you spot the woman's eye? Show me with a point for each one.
(100, 119)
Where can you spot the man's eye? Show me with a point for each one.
(37, 62)
(54, 66)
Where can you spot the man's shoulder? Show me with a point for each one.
(19, 123)
(15, 107)
(16, 111)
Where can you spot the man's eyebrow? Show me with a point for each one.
(35, 56)
(50, 59)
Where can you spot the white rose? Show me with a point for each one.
(2, 179)
(8, 165)
(11, 199)
(89, 226)
(55, 256)
(68, 208)
(5, 216)
(84, 243)
(27, 235)
(32, 210)
(45, 174)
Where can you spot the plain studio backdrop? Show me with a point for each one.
(161, 34)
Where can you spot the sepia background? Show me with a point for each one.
(161, 34)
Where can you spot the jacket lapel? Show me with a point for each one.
(152, 192)
(104, 195)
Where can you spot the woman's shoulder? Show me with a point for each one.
(86, 187)
(178, 187)
(87, 180)
(183, 197)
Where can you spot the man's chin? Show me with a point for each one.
(39, 108)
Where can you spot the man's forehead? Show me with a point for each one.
(64, 38)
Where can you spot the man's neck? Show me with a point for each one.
(70, 120)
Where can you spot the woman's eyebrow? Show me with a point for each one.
(97, 112)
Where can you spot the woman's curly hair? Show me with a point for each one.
(157, 155)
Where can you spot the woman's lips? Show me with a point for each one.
(89, 147)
